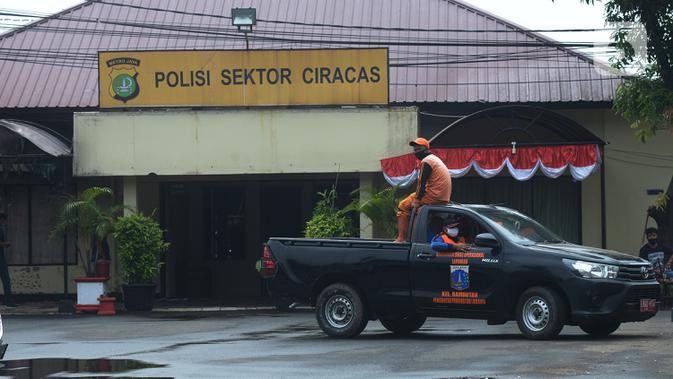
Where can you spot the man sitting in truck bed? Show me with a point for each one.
(433, 188)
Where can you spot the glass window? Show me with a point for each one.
(17, 225)
(517, 227)
(32, 213)
(468, 227)
(45, 248)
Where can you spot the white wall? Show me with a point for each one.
(224, 142)
(43, 279)
(631, 167)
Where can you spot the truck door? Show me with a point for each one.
(455, 281)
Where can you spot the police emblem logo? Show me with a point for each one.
(123, 78)
(460, 277)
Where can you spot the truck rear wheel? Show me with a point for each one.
(540, 313)
(600, 329)
(403, 324)
(340, 311)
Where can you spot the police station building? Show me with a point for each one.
(228, 136)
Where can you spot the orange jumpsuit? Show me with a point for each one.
(437, 187)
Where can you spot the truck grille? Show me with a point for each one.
(643, 293)
(635, 272)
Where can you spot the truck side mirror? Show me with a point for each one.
(486, 240)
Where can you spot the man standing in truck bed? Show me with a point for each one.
(433, 188)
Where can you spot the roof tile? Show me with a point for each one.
(51, 63)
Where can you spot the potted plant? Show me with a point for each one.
(94, 223)
(140, 242)
(327, 221)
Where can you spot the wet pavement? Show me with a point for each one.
(51, 307)
(60, 367)
(269, 344)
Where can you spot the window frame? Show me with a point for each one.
(464, 213)
(28, 187)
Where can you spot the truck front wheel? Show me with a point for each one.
(340, 311)
(540, 313)
(403, 324)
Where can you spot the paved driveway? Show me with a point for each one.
(289, 345)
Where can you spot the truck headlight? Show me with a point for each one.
(592, 270)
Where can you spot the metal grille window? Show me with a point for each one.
(16, 201)
(32, 212)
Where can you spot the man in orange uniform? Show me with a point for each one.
(434, 186)
(448, 239)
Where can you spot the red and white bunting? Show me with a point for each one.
(552, 161)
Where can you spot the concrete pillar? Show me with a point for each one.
(130, 194)
(129, 199)
(366, 226)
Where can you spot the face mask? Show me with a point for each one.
(420, 154)
(652, 241)
(451, 232)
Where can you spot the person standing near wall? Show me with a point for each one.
(433, 188)
(4, 270)
(660, 255)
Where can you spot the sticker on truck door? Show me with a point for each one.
(460, 277)
(455, 297)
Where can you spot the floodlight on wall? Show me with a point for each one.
(244, 19)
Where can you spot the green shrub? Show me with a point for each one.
(140, 241)
(327, 221)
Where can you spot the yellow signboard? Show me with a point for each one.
(242, 78)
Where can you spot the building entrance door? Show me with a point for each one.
(216, 231)
(282, 211)
(176, 213)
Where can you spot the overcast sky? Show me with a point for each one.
(533, 14)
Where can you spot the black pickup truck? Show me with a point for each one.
(515, 269)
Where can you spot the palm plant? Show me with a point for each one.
(93, 221)
(378, 206)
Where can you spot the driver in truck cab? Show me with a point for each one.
(435, 226)
(448, 239)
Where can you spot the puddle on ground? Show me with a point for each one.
(63, 367)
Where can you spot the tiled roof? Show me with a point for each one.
(440, 50)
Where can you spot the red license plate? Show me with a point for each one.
(648, 305)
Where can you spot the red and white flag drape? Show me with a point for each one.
(552, 161)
